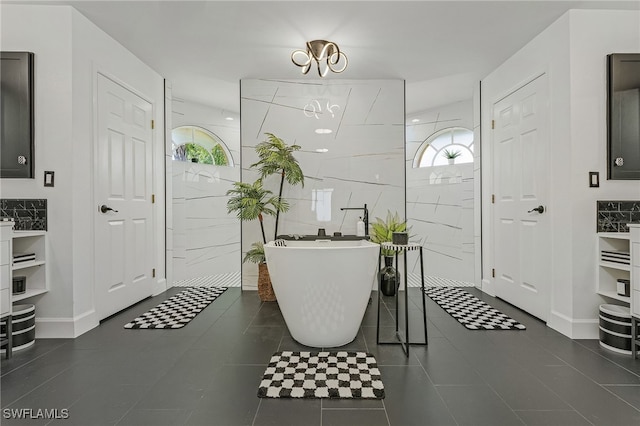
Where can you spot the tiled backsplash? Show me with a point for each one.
(29, 214)
(613, 216)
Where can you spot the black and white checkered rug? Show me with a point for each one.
(322, 375)
(178, 310)
(470, 311)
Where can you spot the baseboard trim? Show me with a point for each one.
(487, 287)
(159, 286)
(65, 328)
(574, 328)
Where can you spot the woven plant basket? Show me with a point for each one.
(265, 290)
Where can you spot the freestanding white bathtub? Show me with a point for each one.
(323, 287)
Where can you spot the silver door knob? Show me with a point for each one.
(539, 209)
(619, 162)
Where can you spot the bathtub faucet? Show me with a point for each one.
(365, 218)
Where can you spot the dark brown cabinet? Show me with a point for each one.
(16, 115)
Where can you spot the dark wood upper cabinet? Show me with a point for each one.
(16, 115)
(623, 116)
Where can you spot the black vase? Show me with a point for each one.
(389, 277)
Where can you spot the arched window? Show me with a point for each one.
(198, 145)
(443, 144)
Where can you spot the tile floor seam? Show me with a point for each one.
(350, 408)
(600, 385)
(36, 388)
(253, 317)
(32, 360)
(255, 416)
(505, 403)
(607, 359)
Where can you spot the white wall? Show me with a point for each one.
(206, 239)
(69, 51)
(441, 214)
(572, 52)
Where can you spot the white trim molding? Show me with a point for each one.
(574, 328)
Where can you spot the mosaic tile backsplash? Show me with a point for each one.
(613, 216)
(28, 214)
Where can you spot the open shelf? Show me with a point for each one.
(29, 293)
(29, 264)
(609, 273)
(614, 295)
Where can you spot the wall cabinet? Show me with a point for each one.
(613, 263)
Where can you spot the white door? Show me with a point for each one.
(521, 180)
(123, 182)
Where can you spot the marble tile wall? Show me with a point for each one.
(28, 214)
(205, 239)
(440, 199)
(613, 216)
(360, 161)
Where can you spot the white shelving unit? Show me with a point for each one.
(35, 270)
(610, 272)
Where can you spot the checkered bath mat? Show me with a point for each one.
(178, 310)
(470, 311)
(322, 375)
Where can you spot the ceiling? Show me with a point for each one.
(441, 48)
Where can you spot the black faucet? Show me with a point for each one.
(365, 218)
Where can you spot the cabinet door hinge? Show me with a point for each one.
(493, 124)
(153, 273)
(153, 198)
(493, 198)
(493, 272)
(153, 124)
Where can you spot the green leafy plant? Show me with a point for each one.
(276, 157)
(255, 254)
(451, 154)
(250, 201)
(382, 230)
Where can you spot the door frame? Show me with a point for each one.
(159, 283)
(488, 252)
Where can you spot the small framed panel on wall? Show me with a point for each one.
(623, 116)
(16, 115)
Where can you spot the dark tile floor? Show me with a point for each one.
(208, 374)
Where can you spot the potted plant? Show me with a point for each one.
(382, 231)
(276, 157)
(253, 201)
(249, 202)
(256, 255)
(451, 155)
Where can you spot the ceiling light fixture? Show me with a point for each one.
(320, 50)
(323, 131)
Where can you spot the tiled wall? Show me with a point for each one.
(28, 214)
(613, 216)
(440, 199)
(361, 161)
(206, 239)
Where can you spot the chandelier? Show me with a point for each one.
(320, 51)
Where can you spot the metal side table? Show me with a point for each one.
(406, 342)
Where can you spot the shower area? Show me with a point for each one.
(205, 161)
(442, 184)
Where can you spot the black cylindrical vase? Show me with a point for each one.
(389, 277)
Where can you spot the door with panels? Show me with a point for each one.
(123, 199)
(521, 186)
